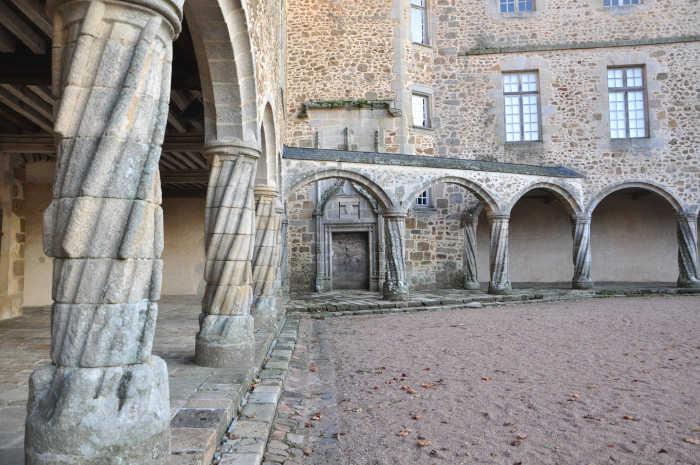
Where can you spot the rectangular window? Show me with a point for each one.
(421, 110)
(419, 21)
(626, 103)
(422, 199)
(617, 3)
(522, 116)
(512, 6)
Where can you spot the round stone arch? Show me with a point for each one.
(222, 48)
(651, 187)
(563, 195)
(491, 205)
(268, 168)
(370, 186)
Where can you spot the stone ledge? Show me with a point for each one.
(399, 159)
(246, 439)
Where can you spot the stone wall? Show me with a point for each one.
(12, 241)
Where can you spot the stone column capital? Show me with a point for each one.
(171, 10)
(398, 214)
(266, 191)
(500, 217)
(231, 148)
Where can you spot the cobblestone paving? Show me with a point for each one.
(601, 381)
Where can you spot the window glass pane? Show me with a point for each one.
(510, 83)
(422, 199)
(618, 125)
(529, 82)
(420, 110)
(525, 5)
(418, 3)
(635, 113)
(634, 77)
(512, 111)
(418, 25)
(615, 78)
(507, 6)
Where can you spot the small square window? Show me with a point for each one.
(420, 107)
(423, 199)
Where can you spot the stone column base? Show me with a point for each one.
(472, 285)
(225, 341)
(268, 312)
(395, 291)
(588, 284)
(99, 416)
(688, 283)
(499, 289)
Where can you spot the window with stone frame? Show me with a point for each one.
(420, 109)
(627, 102)
(521, 106)
(620, 3)
(419, 21)
(423, 199)
(517, 6)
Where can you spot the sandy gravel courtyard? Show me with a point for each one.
(603, 381)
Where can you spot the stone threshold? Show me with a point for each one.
(197, 427)
(246, 437)
(478, 300)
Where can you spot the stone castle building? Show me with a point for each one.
(240, 149)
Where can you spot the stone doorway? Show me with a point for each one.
(350, 260)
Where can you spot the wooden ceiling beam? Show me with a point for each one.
(44, 143)
(30, 100)
(8, 44)
(185, 177)
(27, 112)
(36, 13)
(43, 93)
(23, 31)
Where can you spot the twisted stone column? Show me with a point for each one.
(284, 258)
(498, 256)
(581, 230)
(395, 283)
(471, 278)
(225, 337)
(688, 272)
(266, 257)
(104, 399)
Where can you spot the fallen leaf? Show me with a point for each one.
(662, 451)
(423, 442)
(630, 418)
(408, 389)
(486, 378)
(307, 451)
(434, 453)
(316, 416)
(516, 442)
(521, 436)
(574, 397)
(427, 385)
(692, 441)
(313, 368)
(404, 432)
(232, 436)
(415, 416)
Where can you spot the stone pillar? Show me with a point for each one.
(395, 283)
(498, 257)
(471, 278)
(688, 272)
(322, 281)
(266, 257)
(225, 337)
(581, 230)
(104, 399)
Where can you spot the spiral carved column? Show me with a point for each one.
(498, 256)
(581, 230)
(266, 257)
(688, 272)
(471, 278)
(225, 337)
(395, 284)
(105, 399)
(284, 259)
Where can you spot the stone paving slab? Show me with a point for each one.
(203, 400)
(247, 436)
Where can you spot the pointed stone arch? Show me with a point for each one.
(268, 168)
(224, 57)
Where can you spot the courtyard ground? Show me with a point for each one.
(598, 381)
